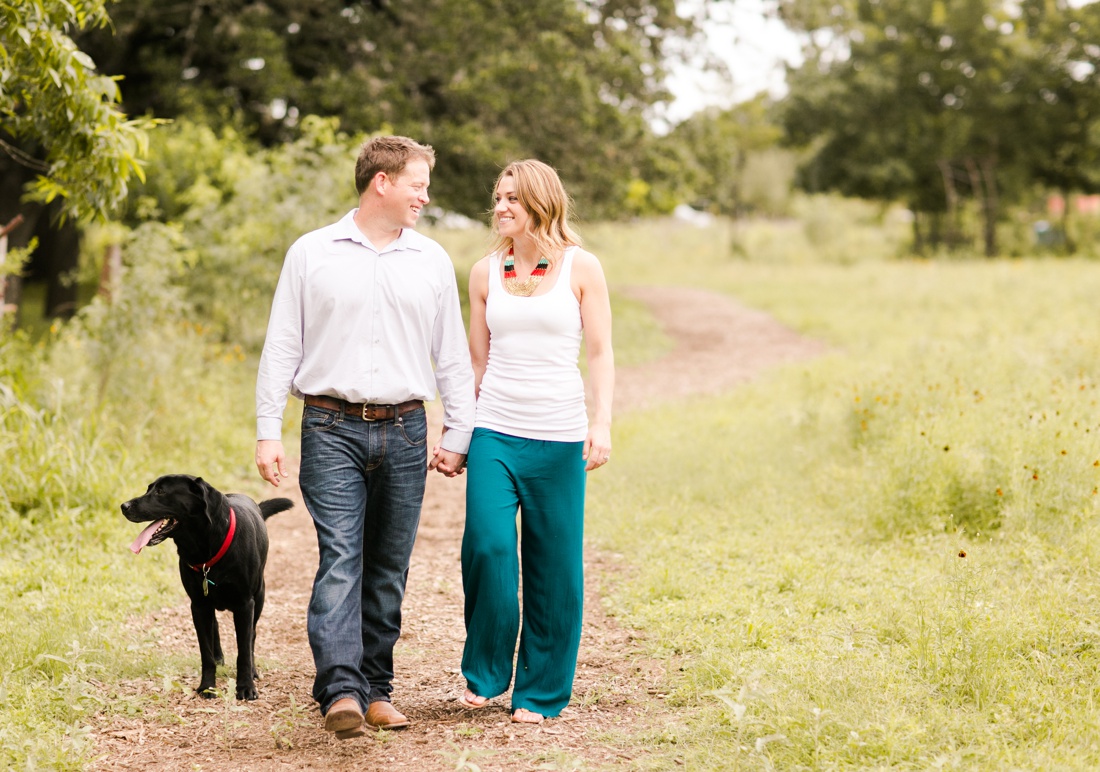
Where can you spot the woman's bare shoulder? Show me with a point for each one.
(481, 267)
(586, 263)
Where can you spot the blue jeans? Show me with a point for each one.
(363, 484)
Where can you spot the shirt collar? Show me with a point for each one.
(347, 229)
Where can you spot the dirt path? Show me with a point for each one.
(718, 344)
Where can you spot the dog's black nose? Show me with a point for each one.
(125, 505)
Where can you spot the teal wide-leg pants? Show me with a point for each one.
(545, 481)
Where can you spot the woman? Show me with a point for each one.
(531, 299)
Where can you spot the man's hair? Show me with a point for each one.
(541, 193)
(389, 154)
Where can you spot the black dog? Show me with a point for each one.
(222, 544)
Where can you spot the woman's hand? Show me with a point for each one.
(597, 447)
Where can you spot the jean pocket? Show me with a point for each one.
(415, 428)
(317, 419)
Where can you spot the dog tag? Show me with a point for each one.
(206, 583)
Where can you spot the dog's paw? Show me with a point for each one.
(247, 692)
(207, 692)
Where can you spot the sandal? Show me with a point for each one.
(469, 700)
(524, 716)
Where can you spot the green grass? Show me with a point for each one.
(882, 558)
(85, 425)
(90, 413)
(65, 592)
(794, 551)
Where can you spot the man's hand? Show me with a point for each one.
(448, 462)
(271, 461)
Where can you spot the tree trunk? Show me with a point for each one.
(918, 237)
(1067, 241)
(935, 230)
(112, 271)
(10, 287)
(56, 261)
(990, 204)
(951, 196)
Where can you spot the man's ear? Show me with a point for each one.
(379, 182)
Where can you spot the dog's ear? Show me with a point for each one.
(201, 490)
(211, 499)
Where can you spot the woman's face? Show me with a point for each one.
(509, 214)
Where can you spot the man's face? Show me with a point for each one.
(407, 193)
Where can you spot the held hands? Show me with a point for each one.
(597, 447)
(271, 461)
(447, 462)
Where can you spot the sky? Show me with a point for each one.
(754, 47)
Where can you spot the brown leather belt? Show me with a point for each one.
(366, 411)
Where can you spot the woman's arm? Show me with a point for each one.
(590, 287)
(479, 328)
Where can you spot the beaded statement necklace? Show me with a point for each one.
(527, 286)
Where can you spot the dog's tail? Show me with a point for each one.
(274, 507)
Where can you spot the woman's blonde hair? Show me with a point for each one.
(543, 197)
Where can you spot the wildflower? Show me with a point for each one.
(962, 553)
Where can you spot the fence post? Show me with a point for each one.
(111, 274)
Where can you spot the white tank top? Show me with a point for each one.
(532, 387)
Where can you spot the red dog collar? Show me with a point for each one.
(225, 544)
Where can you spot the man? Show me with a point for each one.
(362, 309)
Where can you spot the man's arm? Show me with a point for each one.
(455, 381)
(281, 357)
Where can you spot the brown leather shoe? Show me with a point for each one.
(348, 734)
(383, 715)
(345, 718)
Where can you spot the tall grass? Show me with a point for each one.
(90, 412)
(797, 551)
(884, 557)
(88, 416)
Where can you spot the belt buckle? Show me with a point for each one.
(368, 408)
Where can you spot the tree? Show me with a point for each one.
(1063, 102)
(719, 145)
(66, 150)
(933, 102)
(484, 81)
(60, 117)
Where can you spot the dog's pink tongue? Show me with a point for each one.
(144, 537)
